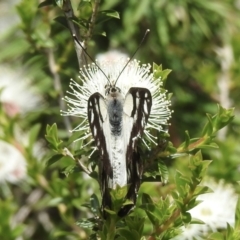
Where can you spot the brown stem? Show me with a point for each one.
(194, 145)
(173, 217)
(69, 14)
(93, 19)
(57, 85)
(82, 166)
(166, 225)
(25, 210)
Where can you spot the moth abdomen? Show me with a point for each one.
(115, 112)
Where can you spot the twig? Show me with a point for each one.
(25, 210)
(57, 85)
(93, 19)
(83, 167)
(166, 225)
(172, 218)
(69, 14)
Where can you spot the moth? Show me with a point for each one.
(117, 122)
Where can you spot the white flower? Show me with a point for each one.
(112, 56)
(216, 210)
(13, 165)
(17, 96)
(134, 75)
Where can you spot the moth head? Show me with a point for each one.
(111, 89)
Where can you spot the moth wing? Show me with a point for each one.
(97, 112)
(137, 108)
(97, 118)
(137, 105)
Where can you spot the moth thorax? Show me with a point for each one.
(112, 90)
(115, 113)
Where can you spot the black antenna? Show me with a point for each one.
(76, 39)
(140, 44)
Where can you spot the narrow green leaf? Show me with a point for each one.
(129, 234)
(146, 198)
(187, 140)
(163, 170)
(186, 217)
(59, 3)
(53, 159)
(85, 223)
(201, 190)
(216, 236)
(62, 20)
(33, 135)
(55, 201)
(162, 30)
(70, 169)
(136, 223)
(15, 48)
(45, 3)
(95, 206)
(106, 15)
(197, 221)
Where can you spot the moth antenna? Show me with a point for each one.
(84, 50)
(140, 44)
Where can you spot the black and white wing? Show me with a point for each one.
(137, 107)
(97, 117)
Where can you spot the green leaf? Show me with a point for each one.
(33, 135)
(119, 192)
(27, 12)
(74, 139)
(53, 159)
(191, 204)
(175, 195)
(16, 48)
(59, 3)
(182, 184)
(106, 15)
(55, 201)
(146, 198)
(223, 117)
(163, 170)
(158, 72)
(136, 223)
(201, 190)
(162, 30)
(200, 20)
(62, 20)
(218, 121)
(85, 9)
(52, 137)
(197, 221)
(208, 146)
(111, 212)
(187, 141)
(129, 234)
(216, 236)
(70, 169)
(46, 3)
(94, 175)
(85, 223)
(186, 217)
(95, 206)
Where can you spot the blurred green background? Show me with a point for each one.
(198, 39)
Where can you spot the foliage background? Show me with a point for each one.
(198, 40)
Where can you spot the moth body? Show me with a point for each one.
(116, 122)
